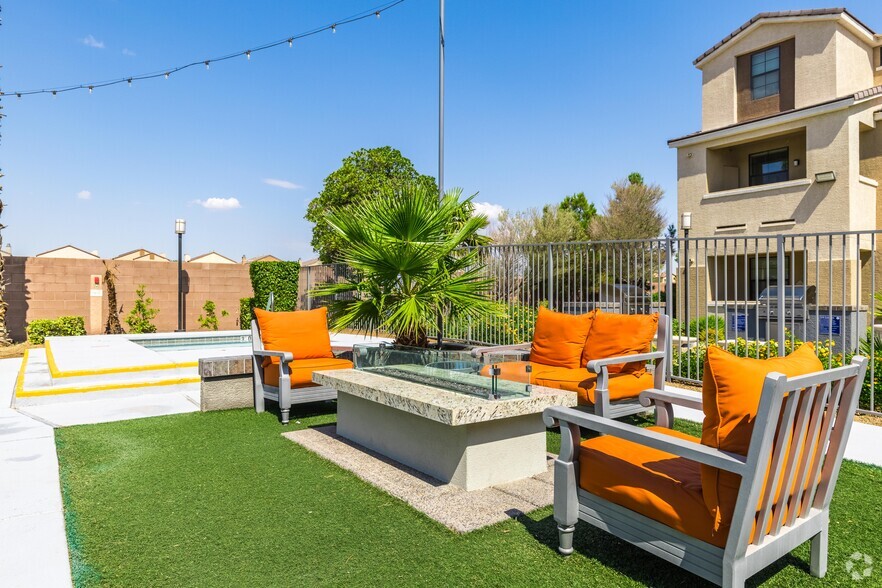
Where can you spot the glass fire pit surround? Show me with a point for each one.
(452, 370)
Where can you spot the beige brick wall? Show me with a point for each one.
(47, 288)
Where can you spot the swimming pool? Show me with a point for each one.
(195, 341)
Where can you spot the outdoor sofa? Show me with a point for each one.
(757, 484)
(286, 348)
(600, 356)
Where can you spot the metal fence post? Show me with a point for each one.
(308, 292)
(779, 278)
(669, 302)
(550, 277)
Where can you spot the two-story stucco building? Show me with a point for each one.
(790, 143)
(787, 98)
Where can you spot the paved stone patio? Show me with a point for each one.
(450, 505)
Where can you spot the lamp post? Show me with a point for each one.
(180, 229)
(685, 225)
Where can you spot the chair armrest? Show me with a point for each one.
(656, 396)
(595, 365)
(284, 356)
(664, 401)
(480, 351)
(691, 450)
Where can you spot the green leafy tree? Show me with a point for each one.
(633, 211)
(364, 174)
(585, 211)
(140, 318)
(405, 246)
(209, 319)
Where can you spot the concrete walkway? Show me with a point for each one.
(33, 542)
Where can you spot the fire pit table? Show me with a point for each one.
(435, 412)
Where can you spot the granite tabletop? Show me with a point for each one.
(438, 404)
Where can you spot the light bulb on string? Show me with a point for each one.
(90, 89)
(54, 94)
(130, 82)
(378, 14)
(18, 96)
(333, 28)
(248, 54)
(206, 64)
(290, 42)
(167, 74)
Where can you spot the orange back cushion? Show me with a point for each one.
(620, 334)
(731, 393)
(558, 338)
(302, 332)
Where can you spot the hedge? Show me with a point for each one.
(245, 312)
(63, 326)
(279, 277)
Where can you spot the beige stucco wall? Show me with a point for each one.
(737, 156)
(832, 143)
(854, 63)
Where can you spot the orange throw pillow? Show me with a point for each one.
(558, 338)
(731, 393)
(620, 334)
(302, 332)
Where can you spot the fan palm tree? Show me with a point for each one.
(412, 264)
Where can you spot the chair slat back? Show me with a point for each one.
(797, 470)
(256, 341)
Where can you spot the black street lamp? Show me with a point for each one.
(180, 229)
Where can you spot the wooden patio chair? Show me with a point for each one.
(291, 347)
(799, 435)
(601, 383)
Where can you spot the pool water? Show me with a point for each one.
(195, 343)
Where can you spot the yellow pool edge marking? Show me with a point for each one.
(20, 392)
(57, 373)
(19, 380)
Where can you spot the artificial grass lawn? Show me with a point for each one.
(221, 499)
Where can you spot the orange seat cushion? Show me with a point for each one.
(303, 332)
(620, 334)
(583, 383)
(654, 483)
(558, 338)
(301, 370)
(731, 393)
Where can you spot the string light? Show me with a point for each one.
(247, 53)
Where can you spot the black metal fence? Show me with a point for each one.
(757, 296)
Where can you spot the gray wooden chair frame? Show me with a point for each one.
(818, 406)
(283, 394)
(603, 406)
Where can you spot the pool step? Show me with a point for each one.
(36, 383)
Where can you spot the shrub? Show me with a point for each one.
(209, 320)
(245, 312)
(63, 326)
(140, 319)
(279, 277)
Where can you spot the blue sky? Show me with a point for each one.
(544, 98)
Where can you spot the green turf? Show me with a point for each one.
(221, 499)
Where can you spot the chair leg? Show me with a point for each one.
(285, 415)
(284, 398)
(565, 537)
(733, 577)
(818, 563)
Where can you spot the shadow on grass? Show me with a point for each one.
(633, 562)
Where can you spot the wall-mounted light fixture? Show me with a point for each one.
(827, 176)
(795, 163)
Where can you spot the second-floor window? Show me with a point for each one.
(769, 167)
(765, 69)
